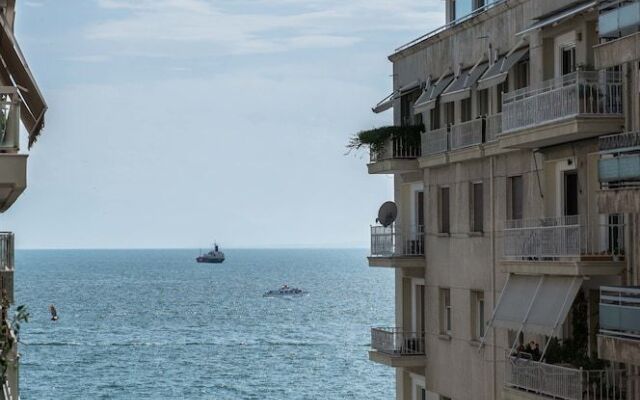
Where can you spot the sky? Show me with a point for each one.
(174, 123)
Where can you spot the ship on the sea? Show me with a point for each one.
(215, 256)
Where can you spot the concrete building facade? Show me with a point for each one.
(516, 240)
(21, 103)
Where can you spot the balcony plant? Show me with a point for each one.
(375, 139)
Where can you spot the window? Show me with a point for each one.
(423, 394)
(434, 117)
(465, 110)
(482, 102)
(462, 8)
(477, 207)
(568, 59)
(502, 88)
(445, 226)
(445, 312)
(420, 208)
(449, 113)
(521, 75)
(570, 193)
(515, 202)
(406, 108)
(477, 315)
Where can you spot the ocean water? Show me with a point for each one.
(153, 324)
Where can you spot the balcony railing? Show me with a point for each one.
(9, 119)
(619, 165)
(620, 311)
(397, 148)
(6, 264)
(467, 133)
(435, 141)
(565, 383)
(591, 93)
(397, 342)
(543, 239)
(397, 241)
(618, 18)
(493, 127)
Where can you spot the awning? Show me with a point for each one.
(384, 104)
(409, 87)
(461, 86)
(536, 304)
(498, 72)
(433, 92)
(558, 17)
(14, 71)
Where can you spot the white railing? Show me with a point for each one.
(467, 133)
(9, 119)
(396, 341)
(565, 383)
(564, 237)
(397, 241)
(620, 311)
(435, 141)
(579, 93)
(397, 148)
(493, 127)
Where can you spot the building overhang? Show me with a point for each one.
(397, 361)
(397, 262)
(617, 349)
(392, 166)
(13, 178)
(619, 201)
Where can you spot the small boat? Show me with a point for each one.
(285, 291)
(214, 256)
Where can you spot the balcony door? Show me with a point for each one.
(570, 193)
(565, 54)
(418, 322)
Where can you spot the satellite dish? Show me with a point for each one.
(387, 213)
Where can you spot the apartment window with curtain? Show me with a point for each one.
(445, 223)
(501, 89)
(521, 75)
(465, 110)
(434, 118)
(478, 321)
(445, 311)
(477, 207)
(482, 102)
(449, 113)
(515, 191)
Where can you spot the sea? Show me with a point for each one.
(154, 324)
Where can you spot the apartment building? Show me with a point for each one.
(516, 244)
(20, 101)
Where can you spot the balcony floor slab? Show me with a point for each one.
(617, 52)
(13, 178)
(562, 131)
(393, 166)
(397, 262)
(397, 361)
(509, 393)
(576, 267)
(619, 201)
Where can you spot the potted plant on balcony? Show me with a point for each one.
(376, 139)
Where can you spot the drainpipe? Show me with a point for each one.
(493, 273)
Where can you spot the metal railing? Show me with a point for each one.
(6, 264)
(580, 93)
(576, 236)
(467, 133)
(620, 311)
(396, 341)
(435, 141)
(493, 127)
(397, 241)
(451, 24)
(565, 383)
(618, 18)
(397, 148)
(9, 119)
(620, 141)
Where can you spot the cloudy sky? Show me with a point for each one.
(172, 123)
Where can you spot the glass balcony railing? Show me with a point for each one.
(619, 165)
(620, 311)
(618, 19)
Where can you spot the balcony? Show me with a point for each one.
(6, 265)
(619, 338)
(435, 141)
(619, 173)
(397, 246)
(619, 30)
(524, 375)
(398, 155)
(571, 245)
(577, 106)
(397, 348)
(466, 134)
(13, 166)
